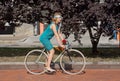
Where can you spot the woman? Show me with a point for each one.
(52, 30)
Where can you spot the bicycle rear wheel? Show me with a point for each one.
(35, 62)
(72, 62)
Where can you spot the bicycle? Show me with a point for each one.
(71, 61)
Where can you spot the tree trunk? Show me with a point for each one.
(94, 47)
(94, 40)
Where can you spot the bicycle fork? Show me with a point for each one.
(68, 53)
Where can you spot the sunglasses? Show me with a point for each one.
(58, 16)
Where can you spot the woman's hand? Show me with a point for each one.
(64, 42)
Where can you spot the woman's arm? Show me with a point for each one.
(53, 27)
(41, 28)
(60, 34)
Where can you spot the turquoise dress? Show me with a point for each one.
(46, 36)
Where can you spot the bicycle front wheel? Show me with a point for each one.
(35, 61)
(72, 62)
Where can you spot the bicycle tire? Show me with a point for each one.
(35, 61)
(72, 62)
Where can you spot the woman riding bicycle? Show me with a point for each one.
(52, 30)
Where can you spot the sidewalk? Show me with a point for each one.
(88, 75)
(33, 41)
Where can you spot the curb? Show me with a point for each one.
(103, 65)
(89, 65)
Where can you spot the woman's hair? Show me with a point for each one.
(56, 14)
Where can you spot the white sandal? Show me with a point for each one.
(49, 70)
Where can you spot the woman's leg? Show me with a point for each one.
(47, 44)
(50, 56)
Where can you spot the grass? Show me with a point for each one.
(13, 54)
(104, 55)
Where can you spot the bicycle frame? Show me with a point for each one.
(40, 55)
(67, 46)
(60, 54)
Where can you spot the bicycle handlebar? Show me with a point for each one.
(67, 45)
